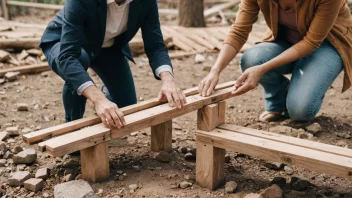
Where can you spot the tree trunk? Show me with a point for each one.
(191, 13)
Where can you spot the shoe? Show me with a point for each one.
(268, 116)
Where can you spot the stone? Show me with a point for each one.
(253, 195)
(18, 178)
(28, 156)
(8, 155)
(280, 181)
(45, 74)
(34, 184)
(190, 178)
(341, 143)
(22, 55)
(74, 189)
(45, 195)
(184, 184)
(22, 107)
(26, 130)
(281, 129)
(69, 177)
(42, 173)
(314, 128)
(4, 55)
(288, 170)
(3, 162)
(273, 165)
(30, 60)
(12, 131)
(34, 52)
(190, 157)
(299, 183)
(17, 149)
(199, 58)
(2, 146)
(133, 186)
(78, 177)
(134, 133)
(273, 191)
(163, 157)
(11, 76)
(230, 187)
(4, 135)
(2, 81)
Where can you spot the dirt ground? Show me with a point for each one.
(132, 154)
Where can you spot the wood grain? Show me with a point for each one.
(161, 137)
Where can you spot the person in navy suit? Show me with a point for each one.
(95, 33)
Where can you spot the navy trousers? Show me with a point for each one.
(112, 68)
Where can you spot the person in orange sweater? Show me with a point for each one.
(312, 40)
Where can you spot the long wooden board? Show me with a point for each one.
(88, 137)
(214, 10)
(289, 140)
(26, 69)
(266, 149)
(40, 135)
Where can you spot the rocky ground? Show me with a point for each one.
(33, 102)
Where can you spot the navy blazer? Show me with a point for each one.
(82, 23)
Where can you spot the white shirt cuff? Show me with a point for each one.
(163, 68)
(84, 86)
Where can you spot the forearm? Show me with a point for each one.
(93, 94)
(288, 56)
(227, 53)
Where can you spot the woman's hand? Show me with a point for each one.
(207, 85)
(248, 80)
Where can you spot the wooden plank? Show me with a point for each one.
(222, 112)
(5, 10)
(210, 38)
(35, 5)
(189, 33)
(210, 166)
(95, 163)
(22, 25)
(161, 137)
(289, 140)
(180, 44)
(26, 69)
(21, 43)
(279, 152)
(16, 35)
(208, 117)
(40, 135)
(96, 134)
(214, 10)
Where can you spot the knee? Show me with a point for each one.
(300, 110)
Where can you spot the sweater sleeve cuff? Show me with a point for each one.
(233, 42)
(163, 68)
(84, 86)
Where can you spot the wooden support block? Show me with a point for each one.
(95, 163)
(161, 137)
(211, 116)
(210, 166)
(5, 10)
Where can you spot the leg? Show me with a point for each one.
(311, 78)
(211, 116)
(73, 103)
(273, 82)
(95, 163)
(210, 166)
(161, 137)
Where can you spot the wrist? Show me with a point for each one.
(166, 76)
(215, 70)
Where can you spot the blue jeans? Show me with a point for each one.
(312, 76)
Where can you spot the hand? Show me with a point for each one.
(248, 80)
(110, 114)
(171, 92)
(207, 85)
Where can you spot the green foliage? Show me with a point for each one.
(58, 2)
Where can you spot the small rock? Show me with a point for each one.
(22, 55)
(162, 157)
(121, 178)
(2, 146)
(45, 195)
(273, 165)
(100, 191)
(34, 52)
(341, 143)
(74, 189)
(299, 183)
(288, 170)
(69, 177)
(273, 191)
(4, 55)
(133, 186)
(230, 187)
(190, 157)
(12, 131)
(253, 195)
(199, 58)
(22, 107)
(18, 178)
(26, 130)
(134, 133)
(8, 155)
(11, 76)
(4, 135)
(34, 184)
(190, 178)
(280, 181)
(184, 184)
(314, 128)
(78, 177)
(281, 129)
(2, 81)
(17, 149)
(3, 162)
(42, 173)
(28, 156)
(45, 74)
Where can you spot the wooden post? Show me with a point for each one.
(95, 163)
(210, 159)
(161, 137)
(5, 10)
(210, 166)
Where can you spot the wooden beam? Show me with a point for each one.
(35, 5)
(289, 140)
(5, 10)
(161, 137)
(26, 69)
(22, 25)
(214, 10)
(88, 137)
(210, 166)
(20, 43)
(211, 116)
(286, 153)
(37, 136)
(95, 163)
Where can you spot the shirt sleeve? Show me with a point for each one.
(163, 68)
(84, 86)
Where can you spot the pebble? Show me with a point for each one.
(4, 135)
(341, 143)
(299, 183)
(190, 157)
(69, 177)
(17, 149)
(288, 170)
(8, 155)
(253, 195)
(230, 187)
(314, 128)
(22, 107)
(18, 178)
(42, 173)
(273, 165)
(34, 184)
(12, 131)
(163, 157)
(11, 76)
(3, 162)
(74, 189)
(273, 191)
(26, 130)
(199, 58)
(28, 156)
(133, 186)
(184, 184)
